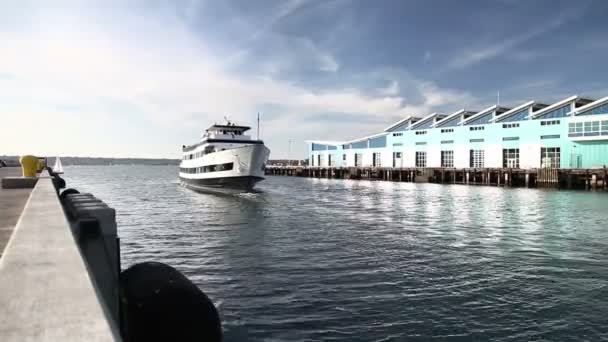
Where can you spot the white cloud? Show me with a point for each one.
(85, 71)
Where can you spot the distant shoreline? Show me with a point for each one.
(103, 161)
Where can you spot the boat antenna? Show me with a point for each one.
(258, 126)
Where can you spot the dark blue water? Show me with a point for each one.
(338, 260)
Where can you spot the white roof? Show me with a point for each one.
(400, 122)
(324, 142)
(473, 117)
(426, 118)
(591, 105)
(367, 137)
(514, 110)
(554, 106)
(449, 117)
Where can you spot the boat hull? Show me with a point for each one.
(230, 185)
(228, 171)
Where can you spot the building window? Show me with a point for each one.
(549, 157)
(510, 138)
(421, 143)
(588, 129)
(396, 159)
(376, 159)
(447, 158)
(447, 130)
(476, 128)
(476, 158)
(358, 159)
(552, 136)
(397, 134)
(549, 122)
(208, 168)
(447, 141)
(397, 144)
(475, 140)
(420, 159)
(510, 125)
(330, 160)
(344, 157)
(510, 158)
(420, 132)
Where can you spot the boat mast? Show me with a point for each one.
(258, 138)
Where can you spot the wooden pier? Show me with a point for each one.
(590, 179)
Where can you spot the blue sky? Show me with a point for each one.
(141, 78)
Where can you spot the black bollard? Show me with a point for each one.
(66, 192)
(158, 303)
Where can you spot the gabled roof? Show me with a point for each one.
(589, 106)
(480, 113)
(425, 119)
(450, 117)
(513, 111)
(400, 122)
(558, 104)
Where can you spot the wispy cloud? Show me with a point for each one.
(391, 89)
(472, 57)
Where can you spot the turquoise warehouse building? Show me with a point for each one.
(571, 133)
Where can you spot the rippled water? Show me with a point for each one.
(338, 260)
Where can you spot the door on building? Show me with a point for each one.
(358, 159)
(550, 157)
(447, 158)
(376, 159)
(319, 160)
(397, 159)
(330, 160)
(420, 159)
(576, 161)
(510, 158)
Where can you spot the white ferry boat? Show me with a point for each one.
(225, 160)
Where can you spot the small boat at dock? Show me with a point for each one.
(58, 168)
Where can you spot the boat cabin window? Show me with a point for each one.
(209, 149)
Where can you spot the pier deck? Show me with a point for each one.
(12, 202)
(590, 179)
(46, 292)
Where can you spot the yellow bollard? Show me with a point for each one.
(29, 165)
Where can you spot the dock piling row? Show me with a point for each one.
(589, 179)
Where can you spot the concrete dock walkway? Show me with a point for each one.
(46, 291)
(12, 202)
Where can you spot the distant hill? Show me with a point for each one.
(101, 161)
